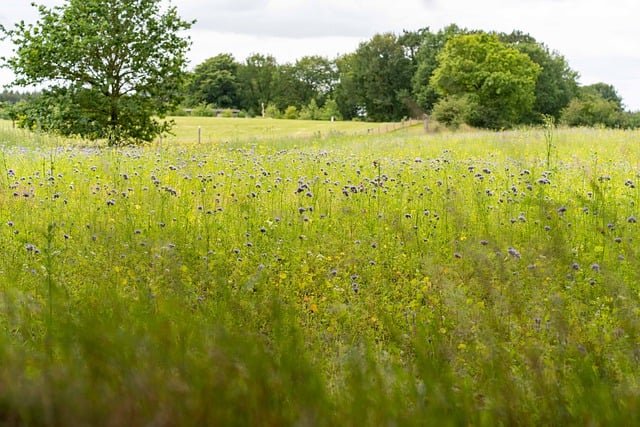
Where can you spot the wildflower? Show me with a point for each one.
(562, 210)
(457, 255)
(513, 252)
(595, 267)
(575, 266)
(632, 220)
(355, 287)
(484, 242)
(618, 240)
(30, 247)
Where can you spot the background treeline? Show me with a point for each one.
(455, 75)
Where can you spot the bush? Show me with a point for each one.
(202, 110)
(453, 111)
(311, 111)
(592, 111)
(272, 112)
(291, 113)
(330, 110)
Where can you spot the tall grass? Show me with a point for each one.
(399, 280)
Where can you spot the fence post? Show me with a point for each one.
(199, 133)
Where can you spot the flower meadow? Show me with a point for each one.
(447, 279)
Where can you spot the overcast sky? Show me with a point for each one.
(598, 38)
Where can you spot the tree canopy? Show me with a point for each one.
(498, 80)
(112, 68)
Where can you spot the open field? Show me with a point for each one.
(399, 279)
(220, 129)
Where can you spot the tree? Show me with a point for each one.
(257, 77)
(427, 61)
(596, 105)
(113, 67)
(604, 90)
(215, 82)
(557, 83)
(592, 111)
(381, 77)
(318, 77)
(496, 78)
(345, 91)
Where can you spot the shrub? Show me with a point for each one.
(291, 112)
(272, 112)
(453, 111)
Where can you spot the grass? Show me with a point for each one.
(220, 129)
(399, 279)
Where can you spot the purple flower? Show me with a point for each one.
(513, 252)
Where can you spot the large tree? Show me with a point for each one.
(112, 68)
(497, 80)
(380, 75)
(215, 82)
(557, 83)
(426, 58)
(257, 79)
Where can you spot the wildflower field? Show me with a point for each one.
(449, 279)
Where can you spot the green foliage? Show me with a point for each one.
(113, 68)
(256, 77)
(602, 90)
(557, 82)
(311, 111)
(378, 73)
(291, 113)
(500, 79)
(454, 110)
(202, 110)
(272, 111)
(592, 111)
(318, 76)
(215, 82)
(427, 62)
(330, 110)
(447, 280)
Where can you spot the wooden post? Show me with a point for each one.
(199, 134)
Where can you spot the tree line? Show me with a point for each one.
(115, 70)
(487, 80)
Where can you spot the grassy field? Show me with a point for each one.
(399, 279)
(220, 129)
